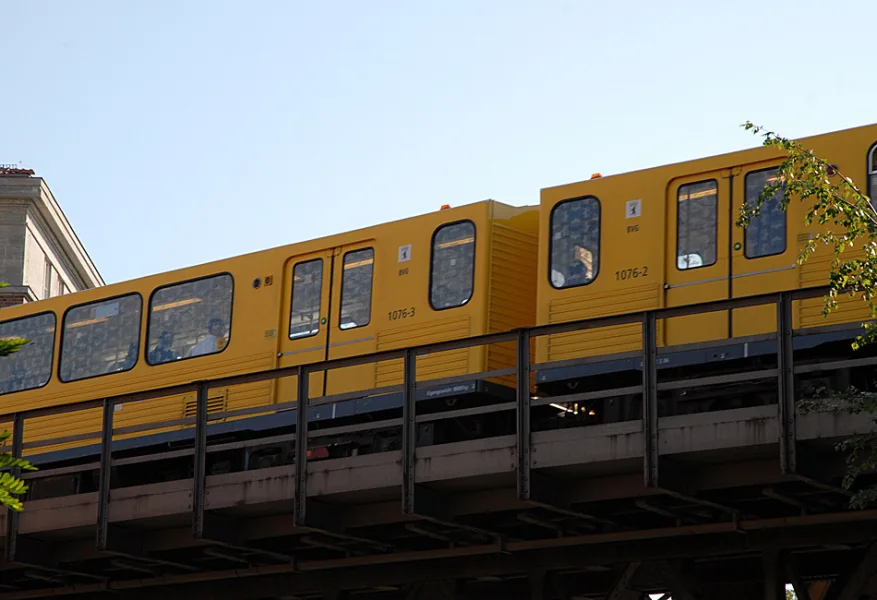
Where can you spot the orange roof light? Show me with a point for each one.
(445, 207)
(596, 175)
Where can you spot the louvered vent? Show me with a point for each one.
(216, 402)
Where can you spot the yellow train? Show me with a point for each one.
(647, 239)
(667, 236)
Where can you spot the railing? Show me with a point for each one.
(523, 403)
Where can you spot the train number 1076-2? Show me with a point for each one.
(635, 273)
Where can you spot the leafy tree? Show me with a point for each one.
(11, 486)
(848, 224)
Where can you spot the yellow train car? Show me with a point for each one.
(667, 236)
(453, 273)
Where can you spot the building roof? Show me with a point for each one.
(21, 184)
(11, 171)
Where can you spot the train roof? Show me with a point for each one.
(305, 246)
(725, 159)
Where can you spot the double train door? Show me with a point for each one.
(765, 254)
(711, 258)
(326, 314)
(698, 254)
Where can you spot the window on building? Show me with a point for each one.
(696, 223)
(47, 280)
(452, 275)
(766, 234)
(100, 337)
(307, 293)
(356, 288)
(190, 319)
(63, 290)
(575, 242)
(31, 366)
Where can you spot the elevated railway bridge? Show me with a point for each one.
(733, 503)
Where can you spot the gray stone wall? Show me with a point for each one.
(40, 256)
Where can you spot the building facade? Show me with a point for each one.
(40, 254)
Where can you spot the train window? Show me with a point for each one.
(575, 242)
(31, 366)
(452, 274)
(100, 338)
(190, 319)
(307, 291)
(696, 222)
(766, 234)
(356, 288)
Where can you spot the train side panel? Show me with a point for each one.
(240, 315)
(703, 255)
(600, 254)
(854, 153)
(512, 302)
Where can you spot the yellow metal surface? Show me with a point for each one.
(648, 242)
(636, 270)
(505, 261)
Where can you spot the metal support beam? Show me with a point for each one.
(621, 589)
(199, 475)
(523, 414)
(650, 400)
(12, 516)
(301, 448)
(560, 587)
(416, 499)
(681, 587)
(409, 432)
(774, 583)
(793, 574)
(859, 578)
(307, 578)
(537, 585)
(103, 492)
(786, 384)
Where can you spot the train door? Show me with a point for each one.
(306, 318)
(354, 326)
(698, 254)
(764, 254)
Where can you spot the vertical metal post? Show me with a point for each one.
(106, 456)
(774, 582)
(12, 516)
(523, 414)
(301, 447)
(650, 400)
(200, 471)
(786, 385)
(409, 431)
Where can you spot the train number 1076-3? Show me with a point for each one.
(404, 313)
(635, 273)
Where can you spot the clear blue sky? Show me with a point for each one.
(174, 133)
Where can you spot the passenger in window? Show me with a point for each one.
(127, 362)
(214, 341)
(163, 351)
(580, 268)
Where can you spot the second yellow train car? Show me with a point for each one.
(665, 237)
(449, 274)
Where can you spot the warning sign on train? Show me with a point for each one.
(633, 209)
